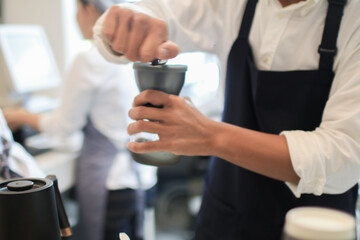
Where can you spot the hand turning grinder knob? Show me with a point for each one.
(166, 78)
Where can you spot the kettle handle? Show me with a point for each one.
(65, 229)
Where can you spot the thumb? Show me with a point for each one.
(167, 50)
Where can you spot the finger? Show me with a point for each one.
(110, 24)
(139, 30)
(167, 50)
(121, 38)
(145, 147)
(150, 113)
(144, 126)
(154, 97)
(157, 35)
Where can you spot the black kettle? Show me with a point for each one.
(32, 209)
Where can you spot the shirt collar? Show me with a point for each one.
(303, 6)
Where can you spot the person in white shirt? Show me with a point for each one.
(290, 134)
(97, 96)
(15, 162)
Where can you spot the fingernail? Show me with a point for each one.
(164, 53)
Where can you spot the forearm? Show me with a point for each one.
(32, 120)
(185, 131)
(266, 154)
(19, 117)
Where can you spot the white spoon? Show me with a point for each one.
(123, 236)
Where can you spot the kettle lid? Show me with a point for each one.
(24, 185)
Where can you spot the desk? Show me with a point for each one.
(61, 164)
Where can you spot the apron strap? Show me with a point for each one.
(236, 64)
(247, 19)
(327, 48)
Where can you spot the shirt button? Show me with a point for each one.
(280, 15)
(265, 59)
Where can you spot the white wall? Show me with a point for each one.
(58, 18)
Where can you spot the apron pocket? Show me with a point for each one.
(216, 220)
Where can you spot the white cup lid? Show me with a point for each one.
(123, 236)
(319, 223)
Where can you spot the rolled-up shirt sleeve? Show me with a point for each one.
(78, 91)
(101, 42)
(327, 160)
(194, 29)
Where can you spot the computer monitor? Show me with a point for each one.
(26, 60)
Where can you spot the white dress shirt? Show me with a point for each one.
(19, 160)
(327, 159)
(103, 92)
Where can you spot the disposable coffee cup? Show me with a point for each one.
(316, 223)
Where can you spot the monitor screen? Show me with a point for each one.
(29, 64)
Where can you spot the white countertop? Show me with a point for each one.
(61, 164)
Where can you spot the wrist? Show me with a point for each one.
(216, 138)
(22, 117)
(30, 119)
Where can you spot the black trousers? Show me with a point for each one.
(125, 212)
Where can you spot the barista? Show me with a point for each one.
(290, 134)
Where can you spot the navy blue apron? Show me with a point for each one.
(243, 205)
(96, 157)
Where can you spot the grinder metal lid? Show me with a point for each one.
(160, 68)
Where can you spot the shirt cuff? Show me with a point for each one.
(44, 123)
(307, 164)
(48, 125)
(107, 52)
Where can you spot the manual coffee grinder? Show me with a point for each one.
(162, 77)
